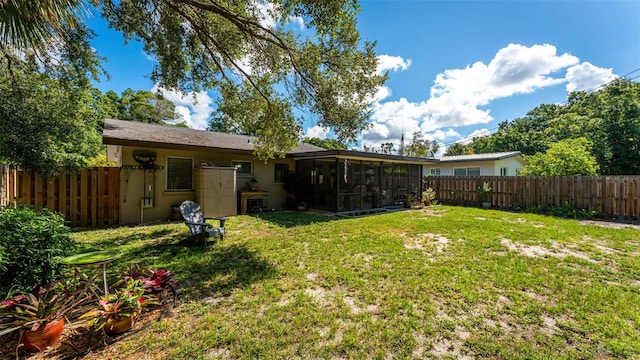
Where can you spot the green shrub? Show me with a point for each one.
(33, 241)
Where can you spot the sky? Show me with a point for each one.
(456, 68)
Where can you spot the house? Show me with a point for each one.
(490, 164)
(164, 165)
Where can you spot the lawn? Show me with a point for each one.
(443, 282)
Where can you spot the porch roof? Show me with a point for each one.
(481, 157)
(362, 155)
(133, 133)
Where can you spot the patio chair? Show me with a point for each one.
(197, 223)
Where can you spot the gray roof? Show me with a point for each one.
(133, 133)
(481, 157)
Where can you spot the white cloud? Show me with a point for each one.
(458, 94)
(316, 132)
(585, 76)
(195, 110)
(394, 63)
(461, 97)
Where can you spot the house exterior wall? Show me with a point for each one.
(513, 165)
(133, 181)
(447, 169)
(487, 167)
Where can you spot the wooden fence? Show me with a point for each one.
(616, 196)
(90, 197)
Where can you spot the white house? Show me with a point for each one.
(490, 164)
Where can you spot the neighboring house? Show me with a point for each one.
(218, 169)
(491, 164)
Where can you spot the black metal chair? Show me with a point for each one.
(197, 223)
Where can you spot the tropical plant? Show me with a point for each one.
(429, 195)
(484, 191)
(126, 302)
(153, 281)
(35, 309)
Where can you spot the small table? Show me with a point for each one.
(245, 196)
(92, 259)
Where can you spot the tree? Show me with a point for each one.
(261, 66)
(30, 26)
(48, 120)
(421, 147)
(45, 126)
(458, 149)
(144, 106)
(329, 144)
(569, 157)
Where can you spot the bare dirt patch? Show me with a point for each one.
(538, 251)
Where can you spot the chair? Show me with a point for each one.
(197, 223)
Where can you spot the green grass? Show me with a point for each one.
(442, 282)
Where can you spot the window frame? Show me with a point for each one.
(235, 164)
(167, 176)
(466, 171)
(435, 171)
(285, 171)
(505, 172)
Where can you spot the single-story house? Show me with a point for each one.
(165, 165)
(490, 164)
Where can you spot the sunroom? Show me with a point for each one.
(347, 180)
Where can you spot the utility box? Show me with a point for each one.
(216, 190)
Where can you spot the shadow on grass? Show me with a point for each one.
(290, 219)
(132, 237)
(218, 270)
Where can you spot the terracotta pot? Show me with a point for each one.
(115, 327)
(46, 336)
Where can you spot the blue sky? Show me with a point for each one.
(456, 68)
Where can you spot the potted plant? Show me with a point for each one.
(39, 315)
(176, 215)
(484, 193)
(116, 313)
(412, 200)
(429, 197)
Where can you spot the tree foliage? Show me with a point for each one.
(608, 118)
(262, 66)
(47, 121)
(569, 157)
(329, 144)
(458, 149)
(136, 105)
(421, 147)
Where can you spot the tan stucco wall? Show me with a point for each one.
(132, 182)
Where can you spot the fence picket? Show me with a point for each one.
(615, 196)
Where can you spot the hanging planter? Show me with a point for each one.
(45, 336)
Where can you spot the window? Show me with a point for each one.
(281, 170)
(471, 171)
(242, 167)
(504, 171)
(434, 171)
(179, 174)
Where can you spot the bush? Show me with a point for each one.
(33, 241)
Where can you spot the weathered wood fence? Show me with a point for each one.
(616, 196)
(90, 197)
